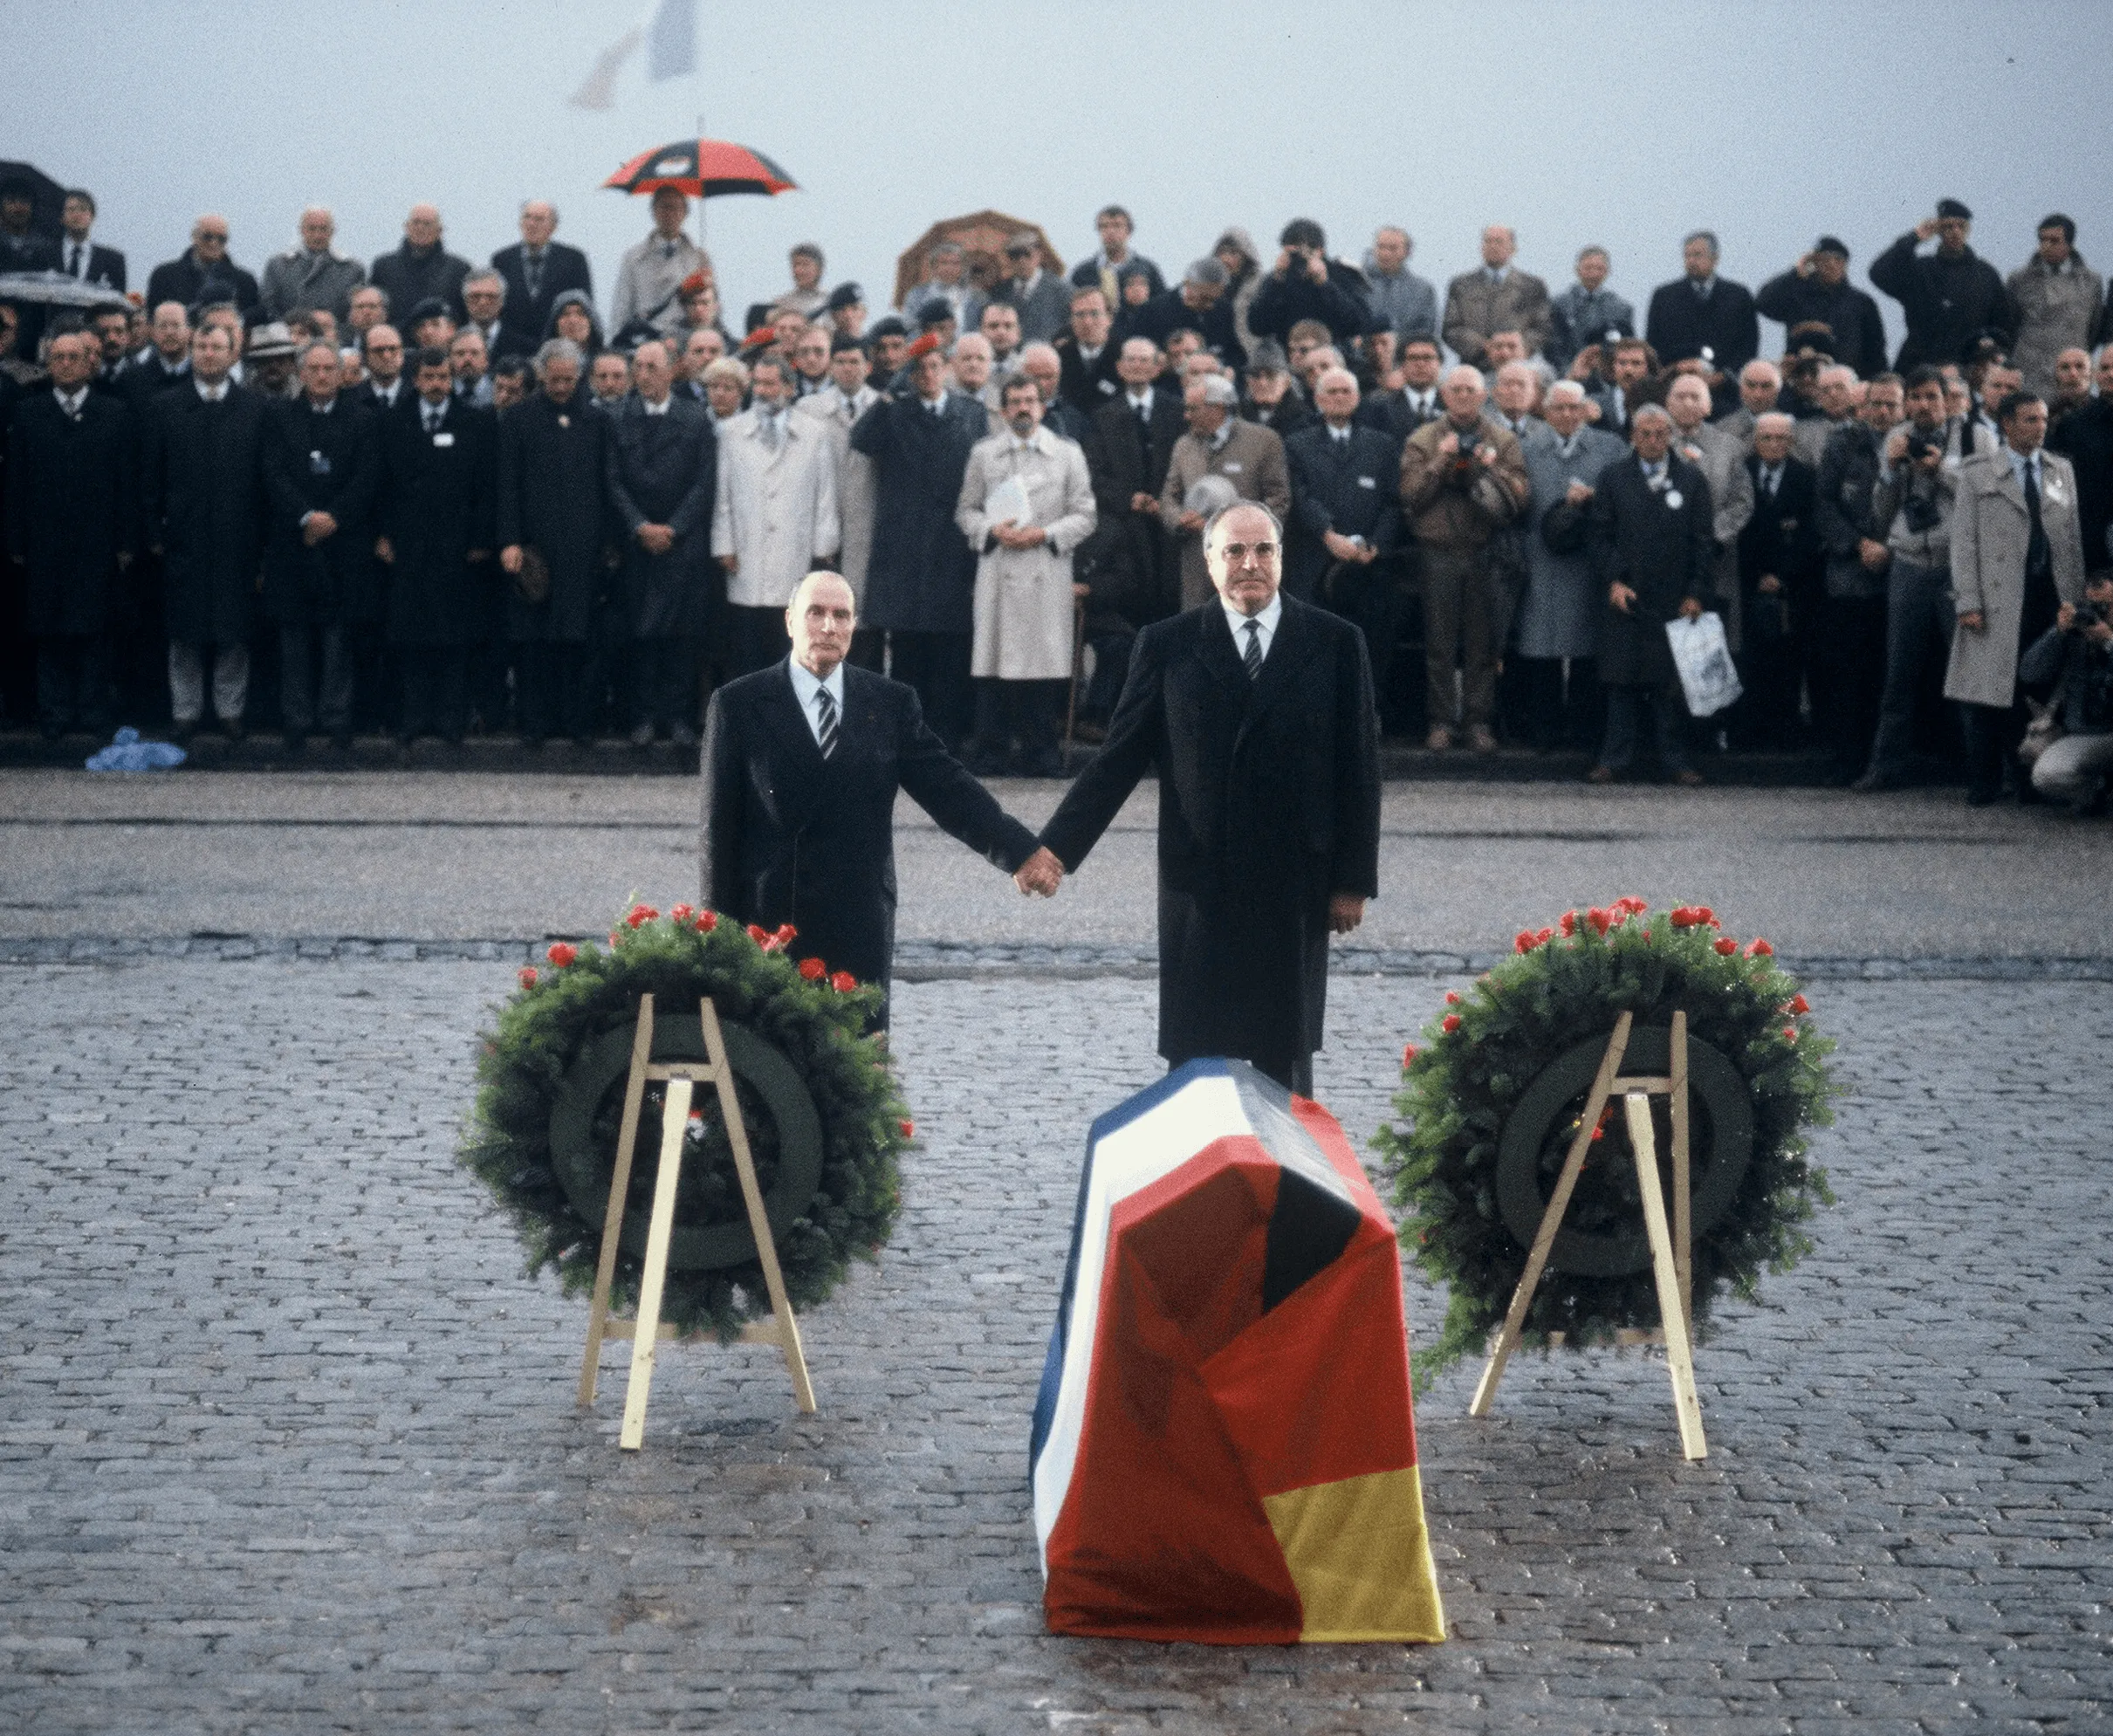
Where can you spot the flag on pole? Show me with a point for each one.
(674, 46)
(1224, 1448)
(599, 89)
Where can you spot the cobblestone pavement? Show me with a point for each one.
(287, 1442)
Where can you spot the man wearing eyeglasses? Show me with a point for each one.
(1256, 712)
(203, 273)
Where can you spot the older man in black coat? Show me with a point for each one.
(663, 479)
(537, 271)
(322, 466)
(1702, 317)
(802, 762)
(1652, 548)
(201, 499)
(1133, 443)
(1779, 560)
(440, 464)
(554, 530)
(1265, 739)
(72, 472)
(921, 580)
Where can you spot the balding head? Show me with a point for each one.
(821, 620)
(1463, 393)
(1335, 396)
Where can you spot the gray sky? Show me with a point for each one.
(1626, 123)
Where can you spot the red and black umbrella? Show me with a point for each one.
(704, 169)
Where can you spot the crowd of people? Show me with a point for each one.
(433, 498)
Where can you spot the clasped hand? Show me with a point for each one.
(1041, 872)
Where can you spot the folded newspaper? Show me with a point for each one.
(1008, 502)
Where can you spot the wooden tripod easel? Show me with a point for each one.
(1671, 1250)
(647, 1331)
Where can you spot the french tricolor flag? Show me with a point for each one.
(1224, 1448)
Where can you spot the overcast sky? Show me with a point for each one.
(1586, 121)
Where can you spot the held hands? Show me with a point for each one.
(1041, 872)
(1346, 910)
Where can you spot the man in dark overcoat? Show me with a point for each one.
(1133, 442)
(537, 271)
(553, 531)
(801, 762)
(1652, 548)
(1779, 560)
(1346, 520)
(1702, 318)
(439, 469)
(920, 578)
(1256, 712)
(203, 503)
(663, 478)
(72, 473)
(322, 464)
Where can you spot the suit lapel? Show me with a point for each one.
(1215, 647)
(1279, 678)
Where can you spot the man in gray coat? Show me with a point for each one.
(2017, 556)
(2059, 301)
(1400, 301)
(1587, 312)
(312, 275)
(1495, 297)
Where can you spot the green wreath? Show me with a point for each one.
(824, 1122)
(1492, 1099)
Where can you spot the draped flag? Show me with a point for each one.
(1224, 1448)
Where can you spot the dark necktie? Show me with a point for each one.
(826, 707)
(532, 273)
(432, 414)
(2039, 554)
(1252, 656)
(75, 259)
(1144, 427)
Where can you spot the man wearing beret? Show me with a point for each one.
(1950, 298)
(1817, 287)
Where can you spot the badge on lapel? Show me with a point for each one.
(1673, 499)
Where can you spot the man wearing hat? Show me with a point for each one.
(1951, 297)
(1040, 297)
(1817, 289)
(267, 361)
(1199, 303)
(844, 316)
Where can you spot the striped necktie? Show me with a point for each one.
(825, 707)
(1253, 658)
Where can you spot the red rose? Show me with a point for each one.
(640, 914)
(1704, 914)
(708, 921)
(910, 1129)
(528, 975)
(1453, 997)
(1726, 946)
(1790, 1033)
(813, 970)
(757, 934)
(1569, 923)
(1760, 949)
(1600, 921)
(843, 982)
(1683, 916)
(1449, 1023)
(1634, 905)
(1544, 937)
(563, 954)
(682, 913)
(1798, 1003)
(1408, 1055)
(786, 934)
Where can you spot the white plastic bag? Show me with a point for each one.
(1707, 679)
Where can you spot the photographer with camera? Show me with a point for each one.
(2074, 659)
(1464, 480)
(1917, 483)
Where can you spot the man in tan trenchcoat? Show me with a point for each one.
(1021, 642)
(1248, 457)
(2017, 556)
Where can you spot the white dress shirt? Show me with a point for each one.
(1268, 620)
(806, 684)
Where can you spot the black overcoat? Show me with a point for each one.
(1268, 804)
(664, 470)
(553, 498)
(72, 501)
(1662, 551)
(791, 837)
(436, 507)
(1682, 325)
(1134, 573)
(1782, 537)
(202, 500)
(328, 462)
(921, 575)
(1352, 487)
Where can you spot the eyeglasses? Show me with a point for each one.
(1237, 554)
(212, 235)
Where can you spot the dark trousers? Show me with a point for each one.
(1559, 701)
(936, 665)
(1765, 715)
(1809, 648)
(1016, 725)
(554, 690)
(299, 709)
(1111, 648)
(755, 639)
(664, 684)
(373, 665)
(488, 666)
(1855, 680)
(1919, 621)
(1992, 734)
(1458, 627)
(1370, 596)
(436, 690)
(72, 682)
(1625, 708)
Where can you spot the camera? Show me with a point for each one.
(2088, 614)
(1921, 445)
(1464, 465)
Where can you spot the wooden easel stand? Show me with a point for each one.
(1672, 1246)
(647, 1331)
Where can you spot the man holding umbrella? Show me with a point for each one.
(648, 282)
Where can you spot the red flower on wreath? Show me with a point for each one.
(682, 913)
(1634, 905)
(1798, 1003)
(1726, 946)
(1758, 948)
(758, 933)
(1449, 1024)
(563, 953)
(813, 970)
(843, 982)
(640, 915)
(909, 1129)
(707, 921)
(1408, 1055)
(1600, 921)
(1453, 997)
(1569, 924)
(527, 974)
(1790, 1033)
